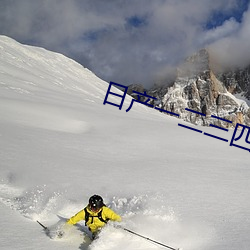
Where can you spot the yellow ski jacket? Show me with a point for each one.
(94, 223)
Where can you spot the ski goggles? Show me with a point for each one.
(94, 208)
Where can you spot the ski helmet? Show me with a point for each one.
(95, 202)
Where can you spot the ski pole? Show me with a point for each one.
(45, 228)
(146, 238)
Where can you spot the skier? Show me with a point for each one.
(95, 214)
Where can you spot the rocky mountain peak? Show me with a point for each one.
(194, 65)
(198, 88)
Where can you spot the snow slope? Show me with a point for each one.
(60, 144)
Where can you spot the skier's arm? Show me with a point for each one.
(110, 214)
(77, 217)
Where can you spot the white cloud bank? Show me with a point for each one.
(129, 41)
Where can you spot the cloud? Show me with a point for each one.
(124, 41)
(228, 28)
(233, 49)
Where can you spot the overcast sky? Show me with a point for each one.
(131, 41)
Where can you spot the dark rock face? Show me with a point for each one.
(135, 87)
(237, 81)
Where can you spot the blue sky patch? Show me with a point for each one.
(219, 17)
(136, 21)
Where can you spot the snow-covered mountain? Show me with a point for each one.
(199, 87)
(60, 144)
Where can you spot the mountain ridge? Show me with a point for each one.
(200, 88)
